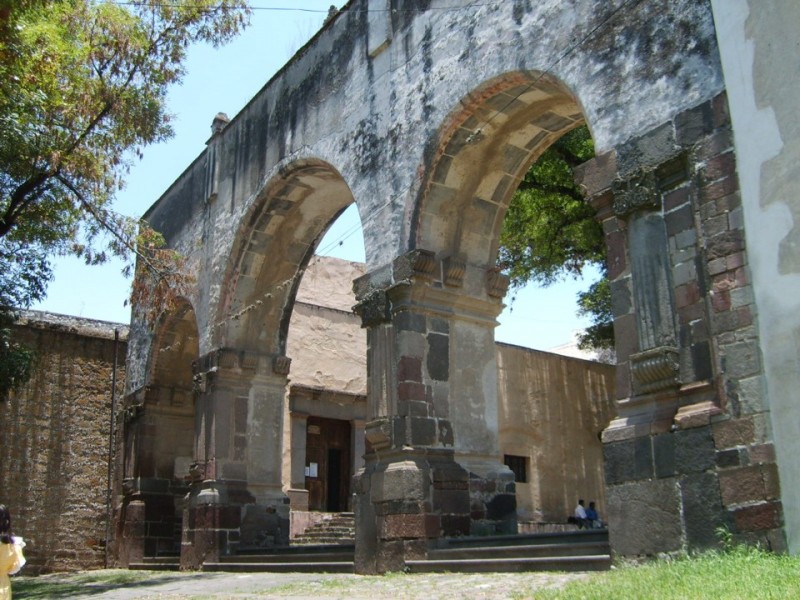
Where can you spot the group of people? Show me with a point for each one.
(11, 558)
(587, 517)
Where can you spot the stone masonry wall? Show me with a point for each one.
(55, 432)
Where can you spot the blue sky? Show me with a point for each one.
(223, 80)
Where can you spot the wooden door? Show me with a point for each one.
(328, 464)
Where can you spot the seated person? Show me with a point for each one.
(580, 517)
(592, 517)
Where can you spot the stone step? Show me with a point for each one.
(600, 562)
(338, 529)
(282, 567)
(157, 563)
(330, 556)
(522, 551)
(529, 539)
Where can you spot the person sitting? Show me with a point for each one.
(580, 518)
(592, 517)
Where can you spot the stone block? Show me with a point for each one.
(644, 517)
(501, 507)
(679, 220)
(452, 502)
(403, 526)
(694, 450)
(717, 167)
(628, 460)
(455, 525)
(717, 143)
(762, 453)
(664, 455)
(758, 517)
(694, 124)
(729, 458)
(741, 359)
(399, 481)
(409, 368)
(423, 431)
(597, 174)
(409, 390)
(733, 432)
(676, 198)
(408, 321)
(703, 512)
(712, 192)
(742, 485)
(438, 357)
(650, 150)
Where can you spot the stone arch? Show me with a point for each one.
(159, 440)
(483, 151)
(277, 238)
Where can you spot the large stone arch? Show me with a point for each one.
(484, 149)
(158, 436)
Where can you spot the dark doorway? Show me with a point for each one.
(328, 464)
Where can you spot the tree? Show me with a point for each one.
(83, 87)
(550, 233)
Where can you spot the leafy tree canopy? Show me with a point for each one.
(550, 233)
(83, 87)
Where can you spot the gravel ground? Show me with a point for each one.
(197, 586)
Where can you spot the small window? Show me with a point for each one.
(519, 465)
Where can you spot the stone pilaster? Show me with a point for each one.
(685, 333)
(432, 465)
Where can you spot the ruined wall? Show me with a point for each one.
(553, 409)
(758, 44)
(55, 434)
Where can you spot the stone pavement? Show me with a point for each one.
(197, 586)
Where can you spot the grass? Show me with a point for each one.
(739, 573)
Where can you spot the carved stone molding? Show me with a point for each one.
(639, 191)
(374, 309)
(655, 370)
(453, 270)
(379, 433)
(281, 365)
(496, 283)
(414, 264)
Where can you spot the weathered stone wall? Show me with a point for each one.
(55, 435)
(553, 410)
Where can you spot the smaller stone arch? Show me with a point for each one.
(158, 433)
(276, 240)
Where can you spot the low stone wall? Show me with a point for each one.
(55, 433)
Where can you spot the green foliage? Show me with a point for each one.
(739, 572)
(550, 233)
(83, 87)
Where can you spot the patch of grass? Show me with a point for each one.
(738, 573)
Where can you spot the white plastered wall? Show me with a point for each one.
(760, 48)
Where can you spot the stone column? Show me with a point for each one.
(432, 465)
(236, 497)
(683, 322)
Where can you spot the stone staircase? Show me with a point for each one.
(583, 550)
(340, 528)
